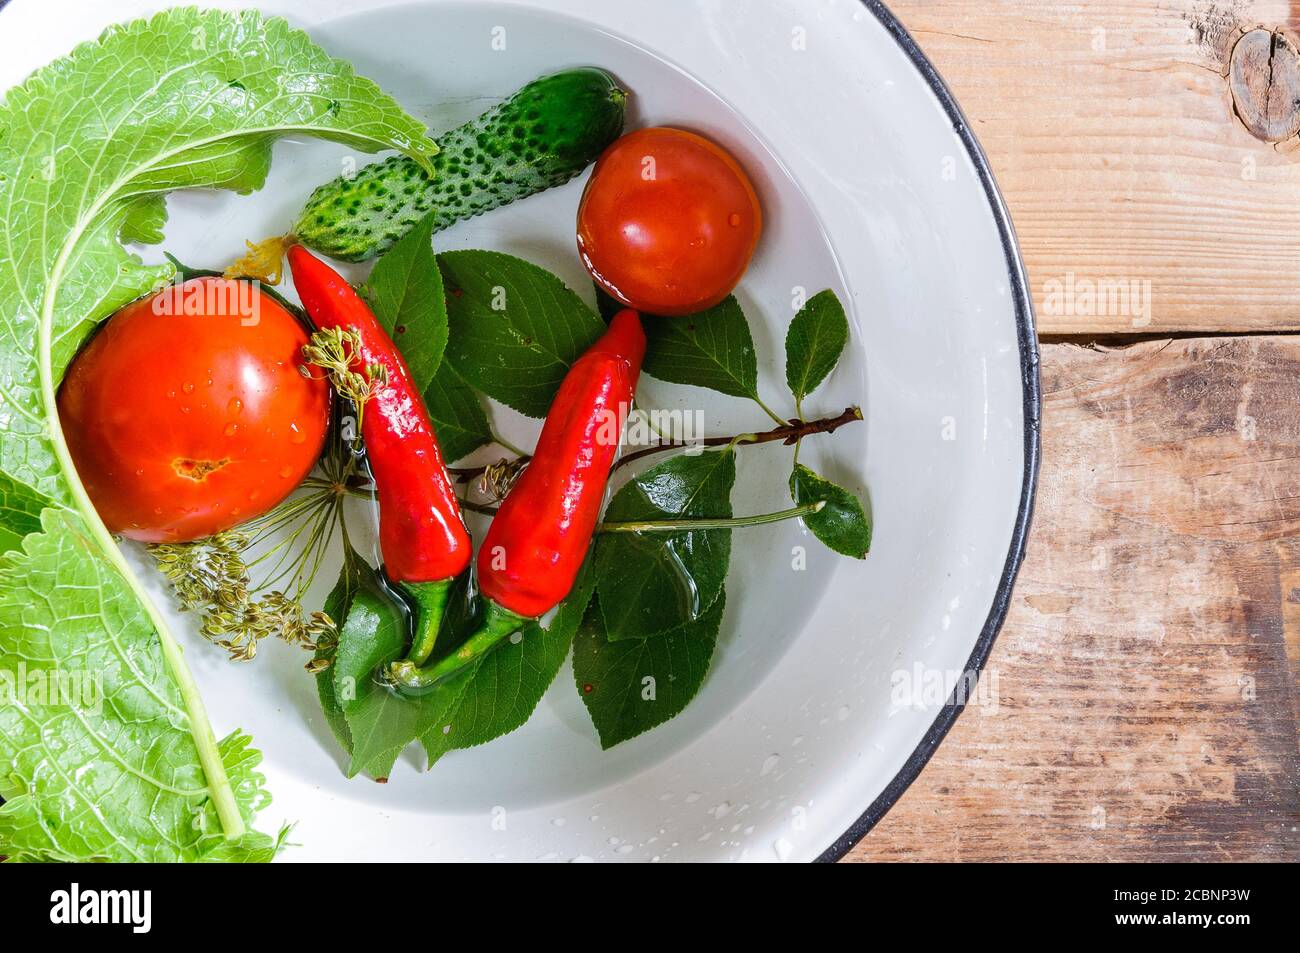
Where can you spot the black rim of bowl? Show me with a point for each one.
(1032, 409)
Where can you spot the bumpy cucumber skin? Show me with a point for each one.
(541, 137)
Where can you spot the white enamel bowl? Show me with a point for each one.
(801, 738)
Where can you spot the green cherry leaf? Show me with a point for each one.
(842, 524)
(515, 327)
(652, 583)
(405, 290)
(712, 349)
(814, 343)
(631, 686)
(457, 415)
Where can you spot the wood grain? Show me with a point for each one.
(1146, 679)
(1111, 129)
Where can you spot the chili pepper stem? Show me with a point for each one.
(429, 601)
(679, 526)
(498, 624)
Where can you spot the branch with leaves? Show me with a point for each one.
(479, 324)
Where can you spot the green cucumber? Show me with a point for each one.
(542, 136)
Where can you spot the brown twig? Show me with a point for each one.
(793, 431)
(787, 434)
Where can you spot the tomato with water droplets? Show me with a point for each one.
(186, 413)
(668, 223)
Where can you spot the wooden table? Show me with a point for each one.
(1149, 671)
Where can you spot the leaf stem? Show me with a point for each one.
(734, 522)
(767, 410)
(507, 445)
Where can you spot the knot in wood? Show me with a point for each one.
(1264, 76)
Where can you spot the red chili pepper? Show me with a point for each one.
(422, 536)
(540, 536)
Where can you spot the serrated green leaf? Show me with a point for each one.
(252, 848)
(144, 220)
(185, 99)
(814, 343)
(405, 290)
(457, 415)
(652, 583)
(515, 327)
(506, 686)
(631, 686)
(842, 523)
(103, 764)
(712, 349)
(20, 512)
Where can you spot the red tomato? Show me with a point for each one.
(668, 222)
(186, 414)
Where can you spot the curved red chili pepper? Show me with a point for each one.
(540, 536)
(422, 536)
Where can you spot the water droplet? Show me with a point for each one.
(188, 387)
(624, 849)
(234, 407)
(286, 472)
(231, 429)
(734, 220)
(296, 435)
(582, 859)
(557, 822)
(783, 849)
(769, 765)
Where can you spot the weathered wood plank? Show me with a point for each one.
(1111, 129)
(1146, 677)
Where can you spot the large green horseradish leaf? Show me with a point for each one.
(98, 758)
(89, 145)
